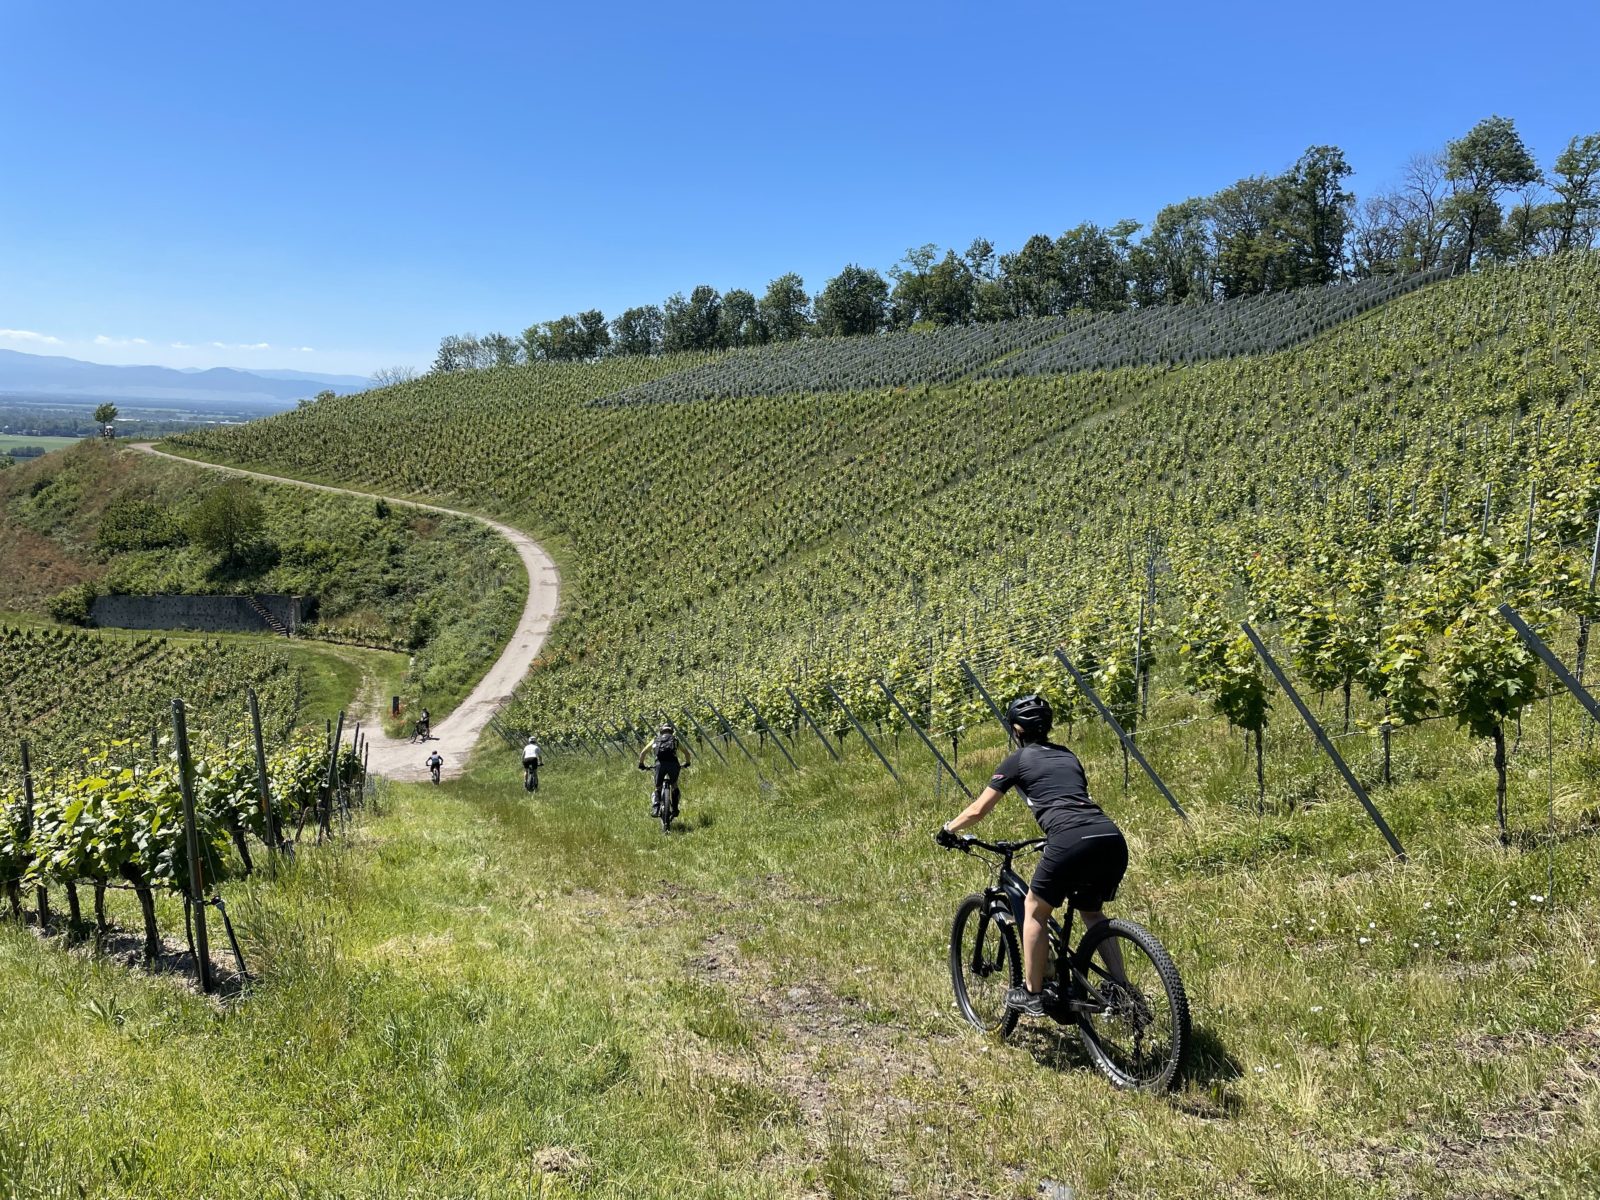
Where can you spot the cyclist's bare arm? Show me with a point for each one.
(645, 749)
(974, 812)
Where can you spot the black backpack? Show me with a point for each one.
(666, 743)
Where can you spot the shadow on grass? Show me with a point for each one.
(125, 948)
(1210, 1066)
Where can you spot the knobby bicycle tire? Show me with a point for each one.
(1134, 1010)
(996, 948)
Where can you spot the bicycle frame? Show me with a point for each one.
(1007, 898)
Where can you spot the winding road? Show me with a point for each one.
(454, 736)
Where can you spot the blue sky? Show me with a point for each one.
(333, 186)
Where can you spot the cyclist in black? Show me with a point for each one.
(667, 748)
(1085, 855)
(435, 761)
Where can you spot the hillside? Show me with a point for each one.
(722, 548)
(99, 519)
(491, 992)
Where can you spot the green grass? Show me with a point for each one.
(485, 993)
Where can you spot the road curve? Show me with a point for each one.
(455, 736)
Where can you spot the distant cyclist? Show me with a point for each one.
(666, 748)
(433, 764)
(530, 765)
(1085, 854)
(424, 725)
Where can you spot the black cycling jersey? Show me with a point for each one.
(1052, 782)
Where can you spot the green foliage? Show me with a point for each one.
(1334, 494)
(137, 524)
(72, 605)
(226, 520)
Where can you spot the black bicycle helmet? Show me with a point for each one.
(1032, 714)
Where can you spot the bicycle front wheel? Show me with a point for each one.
(1135, 1024)
(985, 963)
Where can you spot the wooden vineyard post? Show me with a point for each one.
(325, 817)
(989, 700)
(865, 736)
(42, 893)
(191, 833)
(1122, 736)
(762, 723)
(801, 709)
(1536, 644)
(263, 786)
(705, 738)
(1322, 739)
(737, 741)
(926, 740)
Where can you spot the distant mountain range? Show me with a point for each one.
(43, 376)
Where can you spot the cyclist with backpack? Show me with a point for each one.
(530, 765)
(1085, 855)
(666, 748)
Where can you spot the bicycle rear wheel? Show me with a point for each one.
(664, 806)
(985, 962)
(1138, 1029)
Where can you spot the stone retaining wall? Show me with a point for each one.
(209, 614)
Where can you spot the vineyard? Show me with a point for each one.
(1161, 336)
(59, 683)
(813, 583)
(1366, 499)
(89, 779)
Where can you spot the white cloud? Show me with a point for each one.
(29, 336)
(242, 346)
(103, 340)
(182, 346)
(306, 350)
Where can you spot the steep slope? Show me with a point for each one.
(723, 548)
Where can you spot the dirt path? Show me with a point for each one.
(455, 736)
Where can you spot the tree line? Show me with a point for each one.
(1481, 198)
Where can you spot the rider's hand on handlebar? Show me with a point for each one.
(946, 838)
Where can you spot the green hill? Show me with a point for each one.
(1375, 478)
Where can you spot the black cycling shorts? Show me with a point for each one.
(1085, 863)
(668, 768)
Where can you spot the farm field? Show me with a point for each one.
(10, 441)
(1393, 478)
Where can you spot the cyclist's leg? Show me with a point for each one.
(655, 790)
(1109, 949)
(1036, 940)
(1099, 880)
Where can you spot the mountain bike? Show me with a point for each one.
(530, 777)
(419, 732)
(664, 799)
(1133, 1023)
(433, 769)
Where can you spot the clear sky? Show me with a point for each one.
(335, 185)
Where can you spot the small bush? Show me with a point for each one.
(73, 604)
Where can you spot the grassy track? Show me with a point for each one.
(489, 994)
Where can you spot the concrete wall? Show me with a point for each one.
(210, 614)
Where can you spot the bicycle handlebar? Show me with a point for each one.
(967, 844)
